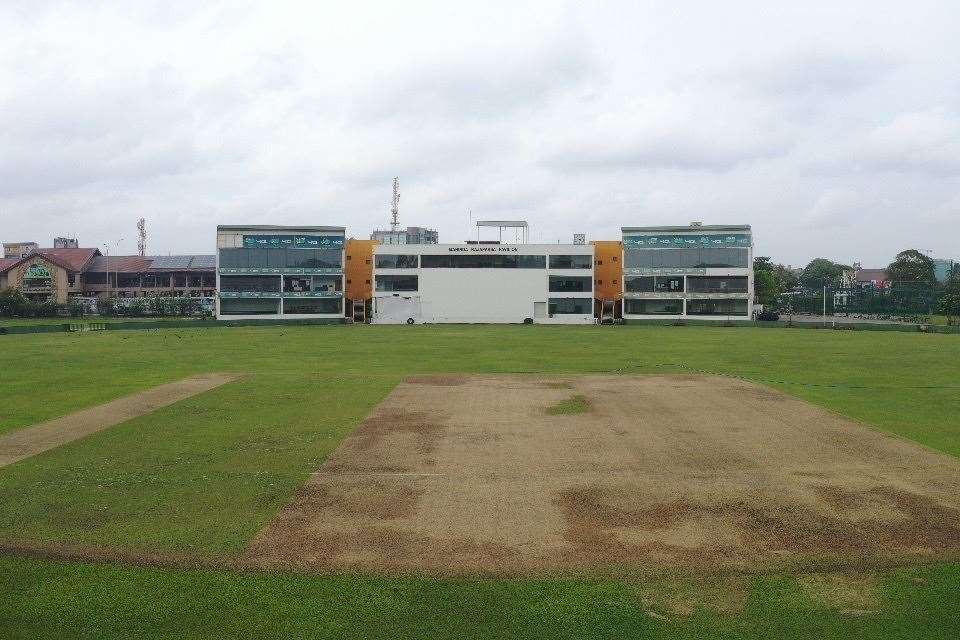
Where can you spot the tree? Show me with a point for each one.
(787, 280)
(764, 281)
(822, 273)
(912, 266)
(950, 307)
(12, 302)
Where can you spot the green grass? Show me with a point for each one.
(60, 600)
(10, 322)
(570, 406)
(202, 476)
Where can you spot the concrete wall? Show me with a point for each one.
(467, 295)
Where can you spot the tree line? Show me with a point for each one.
(910, 269)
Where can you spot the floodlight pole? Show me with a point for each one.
(824, 305)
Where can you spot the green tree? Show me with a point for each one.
(764, 281)
(822, 273)
(13, 302)
(787, 280)
(912, 266)
(950, 307)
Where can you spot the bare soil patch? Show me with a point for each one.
(30, 441)
(663, 473)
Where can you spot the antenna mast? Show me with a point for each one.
(142, 233)
(395, 208)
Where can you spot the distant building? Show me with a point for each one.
(943, 268)
(62, 273)
(410, 235)
(19, 249)
(696, 271)
(269, 271)
(876, 278)
(65, 243)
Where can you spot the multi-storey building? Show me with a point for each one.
(266, 271)
(693, 271)
(483, 283)
(410, 235)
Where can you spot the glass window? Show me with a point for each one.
(128, 280)
(295, 284)
(718, 284)
(95, 277)
(700, 257)
(234, 258)
(467, 261)
(249, 283)
(249, 307)
(281, 258)
(638, 284)
(570, 262)
(312, 305)
(668, 283)
(276, 258)
(570, 283)
(327, 284)
(180, 280)
(396, 283)
(387, 261)
(574, 306)
(653, 306)
(728, 307)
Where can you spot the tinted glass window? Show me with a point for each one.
(638, 284)
(570, 283)
(578, 306)
(718, 284)
(311, 305)
(653, 307)
(570, 262)
(685, 258)
(249, 307)
(396, 283)
(387, 261)
(234, 258)
(280, 258)
(731, 307)
(250, 283)
(467, 261)
(668, 283)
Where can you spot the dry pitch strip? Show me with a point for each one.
(473, 474)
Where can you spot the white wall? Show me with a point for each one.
(458, 295)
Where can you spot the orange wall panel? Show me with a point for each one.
(608, 269)
(359, 271)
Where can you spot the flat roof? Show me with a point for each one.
(274, 227)
(704, 227)
(502, 223)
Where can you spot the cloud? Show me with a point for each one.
(581, 117)
(922, 141)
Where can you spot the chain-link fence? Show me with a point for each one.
(898, 301)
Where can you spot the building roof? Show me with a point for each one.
(869, 275)
(273, 227)
(693, 228)
(120, 264)
(72, 259)
(143, 264)
(190, 262)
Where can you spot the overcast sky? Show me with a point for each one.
(831, 127)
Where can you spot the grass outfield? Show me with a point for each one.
(202, 476)
(12, 322)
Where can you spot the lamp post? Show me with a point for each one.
(106, 248)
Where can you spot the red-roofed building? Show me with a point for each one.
(63, 272)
